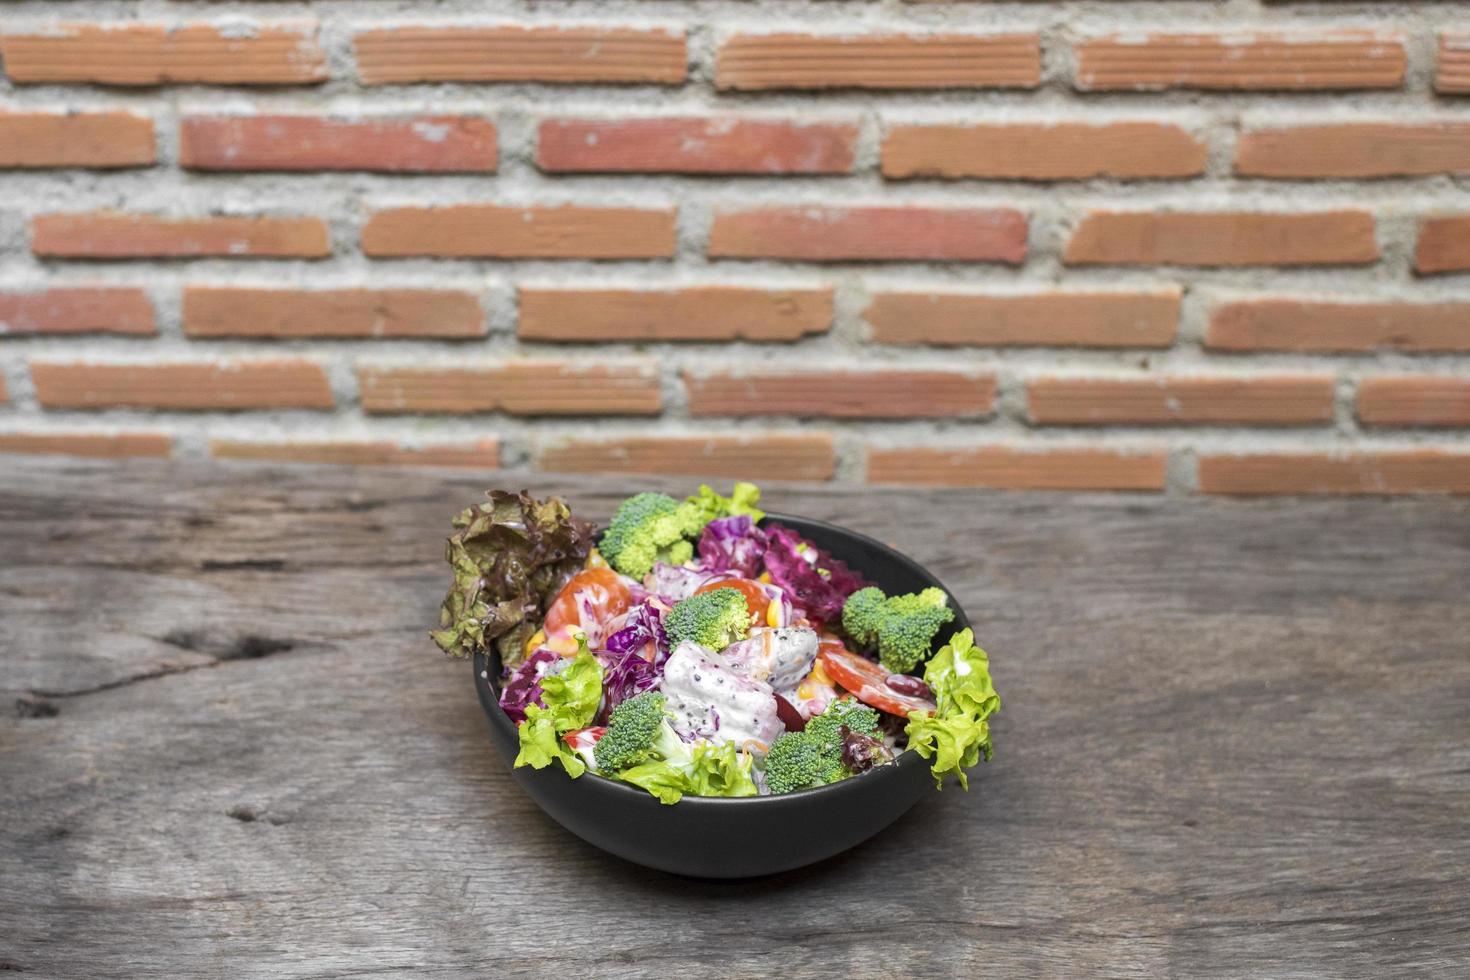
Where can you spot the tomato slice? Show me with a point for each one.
(755, 599)
(610, 597)
(867, 681)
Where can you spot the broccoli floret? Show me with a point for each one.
(800, 760)
(638, 731)
(861, 614)
(848, 712)
(814, 755)
(650, 527)
(713, 619)
(902, 627)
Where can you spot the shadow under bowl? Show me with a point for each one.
(715, 837)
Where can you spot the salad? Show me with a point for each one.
(699, 649)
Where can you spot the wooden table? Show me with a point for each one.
(1235, 742)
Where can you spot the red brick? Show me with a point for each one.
(521, 54)
(692, 313)
(147, 54)
(228, 311)
(75, 139)
(493, 231)
(1041, 151)
(1242, 61)
(1223, 238)
(878, 61)
(76, 309)
(90, 444)
(195, 386)
(118, 235)
(1046, 319)
(695, 145)
(1363, 472)
(1007, 468)
(1313, 325)
(517, 387)
(871, 394)
(1444, 245)
(1262, 400)
(416, 144)
(1414, 400)
(834, 234)
(1453, 74)
(1355, 150)
(753, 456)
(477, 454)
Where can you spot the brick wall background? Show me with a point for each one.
(1195, 247)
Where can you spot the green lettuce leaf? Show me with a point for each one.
(572, 697)
(957, 734)
(667, 782)
(709, 505)
(720, 770)
(510, 557)
(541, 743)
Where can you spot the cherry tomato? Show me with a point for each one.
(755, 599)
(868, 682)
(610, 597)
(585, 738)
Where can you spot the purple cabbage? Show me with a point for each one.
(821, 595)
(623, 676)
(732, 544)
(644, 622)
(523, 687)
(624, 671)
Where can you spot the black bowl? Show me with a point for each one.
(711, 837)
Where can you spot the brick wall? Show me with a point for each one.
(1180, 246)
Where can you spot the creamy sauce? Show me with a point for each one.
(780, 657)
(710, 699)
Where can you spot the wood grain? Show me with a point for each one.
(1234, 743)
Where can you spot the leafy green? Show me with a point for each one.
(510, 557)
(571, 697)
(541, 743)
(742, 500)
(957, 734)
(720, 770)
(707, 770)
(573, 694)
(664, 780)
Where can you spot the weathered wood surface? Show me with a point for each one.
(1235, 742)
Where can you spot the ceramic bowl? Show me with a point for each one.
(709, 837)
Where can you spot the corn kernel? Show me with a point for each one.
(595, 559)
(764, 578)
(538, 638)
(773, 614)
